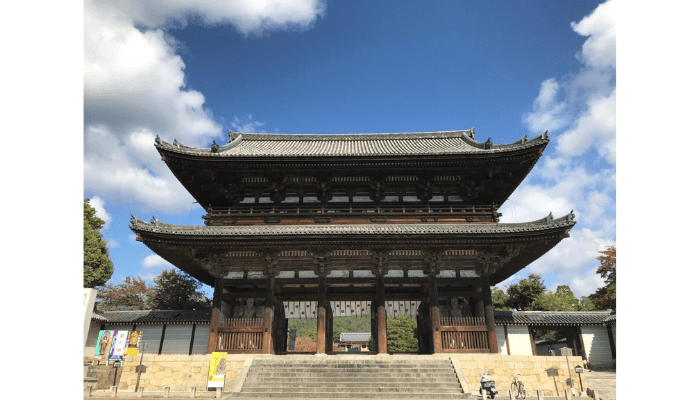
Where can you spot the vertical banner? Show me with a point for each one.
(132, 348)
(217, 370)
(118, 346)
(104, 344)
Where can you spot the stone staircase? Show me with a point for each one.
(341, 376)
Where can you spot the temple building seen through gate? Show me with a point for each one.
(304, 223)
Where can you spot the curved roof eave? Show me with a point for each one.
(248, 145)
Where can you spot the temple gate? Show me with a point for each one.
(367, 218)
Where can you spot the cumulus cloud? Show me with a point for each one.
(155, 261)
(99, 205)
(135, 88)
(247, 125)
(112, 244)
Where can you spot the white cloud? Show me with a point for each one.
(99, 205)
(596, 127)
(547, 112)
(135, 88)
(572, 254)
(155, 261)
(247, 125)
(587, 283)
(112, 244)
(600, 27)
(132, 238)
(246, 16)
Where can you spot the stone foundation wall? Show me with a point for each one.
(533, 370)
(178, 371)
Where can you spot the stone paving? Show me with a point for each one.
(604, 382)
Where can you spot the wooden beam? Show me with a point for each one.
(533, 346)
(505, 329)
(381, 315)
(321, 316)
(611, 339)
(434, 314)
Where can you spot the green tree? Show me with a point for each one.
(133, 293)
(561, 300)
(522, 296)
(401, 332)
(178, 291)
(499, 299)
(97, 267)
(605, 298)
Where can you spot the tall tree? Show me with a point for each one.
(605, 297)
(499, 299)
(178, 291)
(561, 300)
(401, 334)
(522, 296)
(133, 293)
(97, 267)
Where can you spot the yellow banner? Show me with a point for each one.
(217, 369)
(132, 348)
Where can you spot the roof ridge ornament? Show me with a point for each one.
(545, 136)
(549, 218)
(215, 147)
(154, 221)
(523, 140)
(158, 139)
(488, 144)
(571, 216)
(176, 143)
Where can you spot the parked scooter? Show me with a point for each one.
(488, 386)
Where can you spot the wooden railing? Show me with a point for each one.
(240, 335)
(464, 335)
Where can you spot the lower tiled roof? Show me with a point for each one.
(355, 337)
(562, 318)
(156, 316)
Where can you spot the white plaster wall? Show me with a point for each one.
(597, 345)
(519, 340)
(201, 339)
(91, 342)
(150, 334)
(177, 339)
(501, 339)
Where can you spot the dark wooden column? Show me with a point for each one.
(611, 339)
(267, 347)
(434, 313)
(321, 316)
(215, 316)
(381, 314)
(488, 313)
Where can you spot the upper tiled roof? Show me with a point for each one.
(243, 145)
(564, 318)
(355, 337)
(351, 229)
(155, 316)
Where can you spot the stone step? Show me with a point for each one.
(369, 369)
(351, 395)
(320, 375)
(344, 379)
(346, 384)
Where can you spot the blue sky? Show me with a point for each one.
(509, 69)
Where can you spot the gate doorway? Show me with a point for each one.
(301, 327)
(402, 326)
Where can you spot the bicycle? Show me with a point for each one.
(518, 388)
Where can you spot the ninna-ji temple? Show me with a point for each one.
(365, 218)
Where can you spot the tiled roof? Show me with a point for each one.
(611, 319)
(157, 316)
(377, 144)
(563, 318)
(98, 317)
(355, 337)
(351, 229)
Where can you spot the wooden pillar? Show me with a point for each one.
(434, 313)
(321, 316)
(611, 339)
(381, 314)
(488, 313)
(215, 316)
(267, 347)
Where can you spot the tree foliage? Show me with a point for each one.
(133, 294)
(178, 291)
(97, 267)
(401, 334)
(499, 299)
(561, 300)
(605, 297)
(522, 296)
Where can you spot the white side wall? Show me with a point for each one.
(597, 345)
(177, 339)
(501, 339)
(519, 340)
(201, 339)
